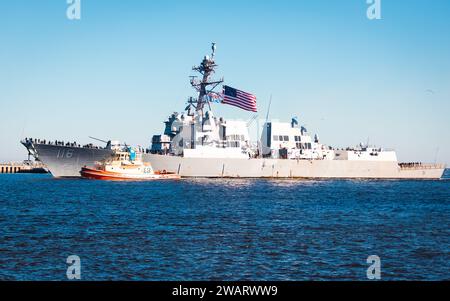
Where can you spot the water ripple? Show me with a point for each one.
(223, 229)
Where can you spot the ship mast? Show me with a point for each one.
(206, 85)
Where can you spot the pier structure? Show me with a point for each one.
(10, 168)
(24, 167)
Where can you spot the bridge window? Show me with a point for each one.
(275, 138)
(286, 138)
(235, 137)
(234, 144)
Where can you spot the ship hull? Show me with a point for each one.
(63, 161)
(274, 168)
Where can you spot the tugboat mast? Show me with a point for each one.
(206, 69)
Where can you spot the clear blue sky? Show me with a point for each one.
(124, 67)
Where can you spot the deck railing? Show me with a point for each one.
(416, 166)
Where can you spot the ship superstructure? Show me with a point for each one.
(197, 132)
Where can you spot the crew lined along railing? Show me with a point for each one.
(59, 143)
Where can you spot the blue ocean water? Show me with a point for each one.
(223, 229)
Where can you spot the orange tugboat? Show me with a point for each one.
(125, 166)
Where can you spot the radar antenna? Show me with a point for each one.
(213, 47)
(205, 87)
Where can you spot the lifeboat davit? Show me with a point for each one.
(123, 166)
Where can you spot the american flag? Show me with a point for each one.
(240, 99)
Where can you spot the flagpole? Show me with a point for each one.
(258, 139)
(268, 109)
(267, 119)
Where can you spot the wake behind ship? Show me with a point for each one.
(196, 143)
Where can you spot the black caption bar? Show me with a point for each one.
(221, 290)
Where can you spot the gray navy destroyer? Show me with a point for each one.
(196, 143)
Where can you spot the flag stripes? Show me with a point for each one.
(240, 99)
